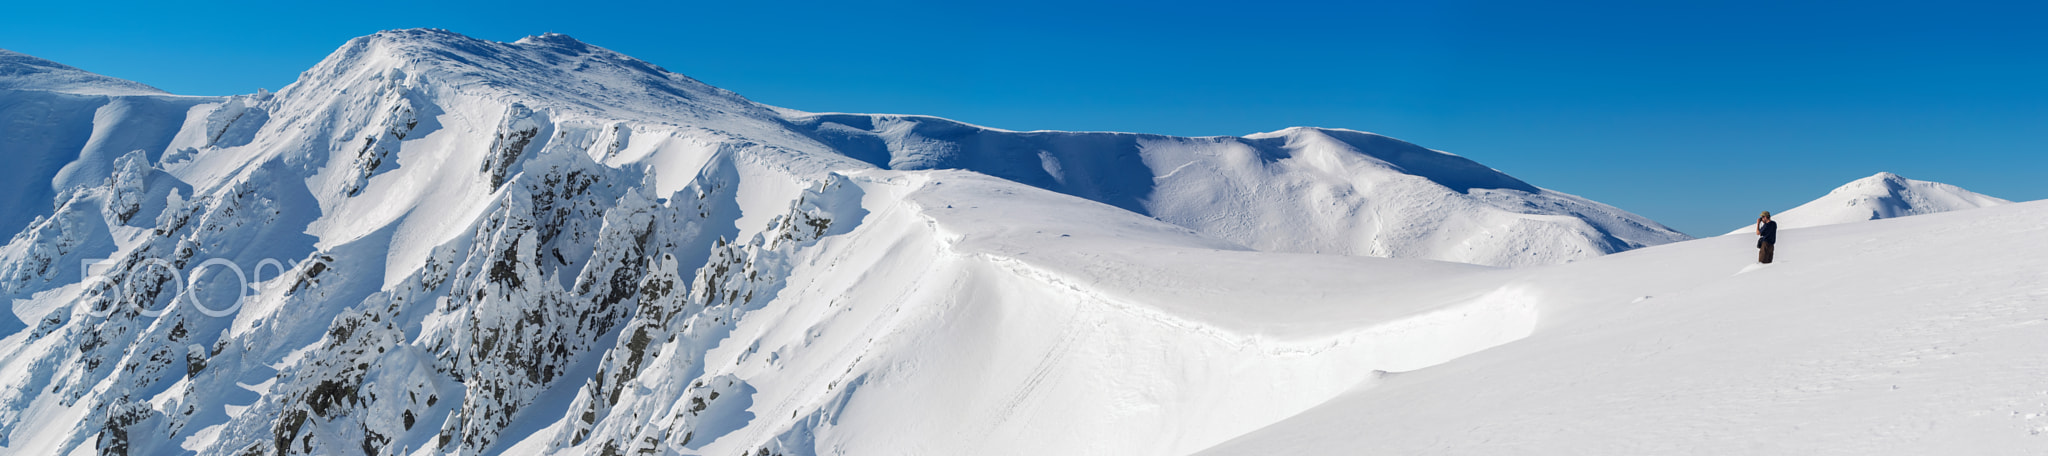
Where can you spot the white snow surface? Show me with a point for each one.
(1880, 196)
(459, 246)
(1920, 335)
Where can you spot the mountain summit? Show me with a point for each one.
(552, 72)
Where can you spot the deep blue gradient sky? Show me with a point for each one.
(1696, 114)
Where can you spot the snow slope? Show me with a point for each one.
(1880, 196)
(62, 127)
(1919, 335)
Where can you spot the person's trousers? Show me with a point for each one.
(1763, 252)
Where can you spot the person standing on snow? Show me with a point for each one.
(1765, 245)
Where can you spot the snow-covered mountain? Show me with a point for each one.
(1880, 196)
(434, 244)
(1306, 190)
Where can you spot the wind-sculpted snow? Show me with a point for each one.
(432, 244)
(1043, 326)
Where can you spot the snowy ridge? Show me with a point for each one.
(1880, 196)
(20, 71)
(1023, 328)
(459, 246)
(1305, 190)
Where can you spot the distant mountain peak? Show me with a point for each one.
(1881, 180)
(443, 39)
(1912, 197)
(20, 71)
(551, 38)
(1880, 196)
(438, 46)
(550, 70)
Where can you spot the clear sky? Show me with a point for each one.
(1696, 114)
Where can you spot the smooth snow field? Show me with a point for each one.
(461, 247)
(1920, 335)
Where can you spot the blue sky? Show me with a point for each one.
(1696, 114)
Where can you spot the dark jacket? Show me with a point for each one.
(1770, 232)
